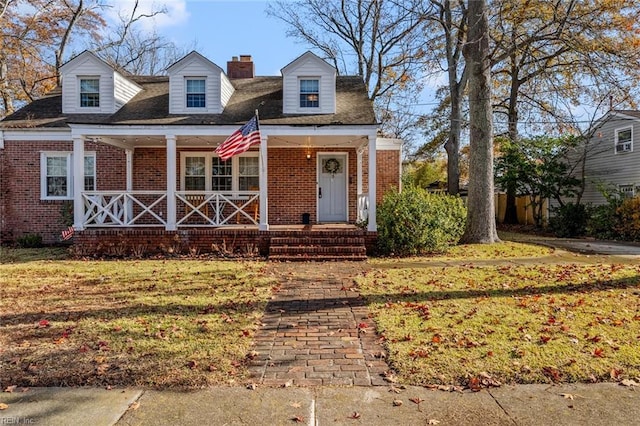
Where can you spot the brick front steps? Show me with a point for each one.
(317, 248)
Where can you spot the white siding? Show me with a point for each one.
(308, 66)
(605, 167)
(125, 90)
(227, 91)
(195, 67)
(87, 66)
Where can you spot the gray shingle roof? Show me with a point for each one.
(151, 106)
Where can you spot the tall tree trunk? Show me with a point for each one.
(481, 223)
(511, 212)
(453, 146)
(5, 90)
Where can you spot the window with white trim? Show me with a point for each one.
(90, 92)
(56, 175)
(205, 171)
(196, 92)
(195, 177)
(309, 93)
(624, 139)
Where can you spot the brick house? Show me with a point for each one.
(141, 148)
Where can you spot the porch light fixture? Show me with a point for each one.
(308, 156)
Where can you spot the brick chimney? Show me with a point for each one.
(242, 68)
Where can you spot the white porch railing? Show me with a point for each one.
(363, 207)
(197, 208)
(116, 208)
(149, 208)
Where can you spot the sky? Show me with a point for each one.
(221, 29)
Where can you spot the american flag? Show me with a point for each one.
(240, 140)
(68, 233)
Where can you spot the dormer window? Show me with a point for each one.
(196, 93)
(309, 93)
(90, 92)
(624, 139)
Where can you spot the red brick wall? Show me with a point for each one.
(24, 211)
(387, 172)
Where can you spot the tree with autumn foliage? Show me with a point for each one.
(547, 54)
(35, 35)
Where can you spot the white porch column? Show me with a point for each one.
(372, 225)
(128, 211)
(171, 182)
(264, 191)
(78, 183)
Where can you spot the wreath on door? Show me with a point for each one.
(332, 166)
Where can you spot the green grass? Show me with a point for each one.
(157, 323)
(518, 323)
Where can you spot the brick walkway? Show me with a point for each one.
(317, 330)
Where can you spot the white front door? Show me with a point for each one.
(332, 187)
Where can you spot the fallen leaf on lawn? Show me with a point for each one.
(296, 405)
(433, 422)
(567, 396)
(598, 353)
(416, 400)
(298, 419)
(394, 389)
(615, 373)
(355, 415)
(389, 377)
(44, 323)
(3, 406)
(192, 365)
(10, 389)
(134, 405)
(629, 382)
(252, 386)
(397, 402)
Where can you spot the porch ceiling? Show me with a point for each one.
(280, 141)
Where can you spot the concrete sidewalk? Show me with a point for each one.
(579, 404)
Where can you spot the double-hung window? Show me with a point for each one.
(624, 139)
(309, 93)
(204, 171)
(196, 93)
(56, 175)
(90, 92)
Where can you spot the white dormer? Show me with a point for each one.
(309, 86)
(90, 85)
(197, 86)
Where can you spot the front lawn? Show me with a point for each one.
(158, 323)
(517, 323)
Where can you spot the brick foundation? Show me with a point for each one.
(243, 242)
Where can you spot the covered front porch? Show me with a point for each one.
(296, 176)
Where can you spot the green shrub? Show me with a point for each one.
(29, 241)
(628, 214)
(569, 220)
(415, 221)
(603, 221)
